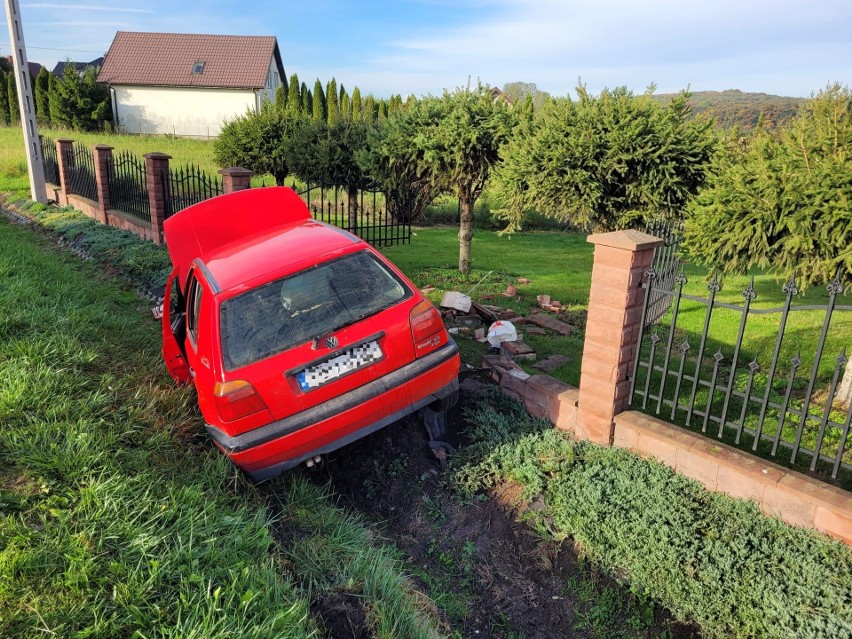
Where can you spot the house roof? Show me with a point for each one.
(33, 67)
(168, 59)
(59, 69)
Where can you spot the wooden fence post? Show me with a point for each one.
(103, 168)
(157, 170)
(612, 329)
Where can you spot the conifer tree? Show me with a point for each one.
(42, 97)
(307, 100)
(782, 202)
(383, 110)
(345, 103)
(319, 109)
(294, 98)
(332, 103)
(370, 109)
(357, 105)
(605, 161)
(4, 100)
(52, 106)
(281, 98)
(12, 90)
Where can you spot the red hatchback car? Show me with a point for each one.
(298, 336)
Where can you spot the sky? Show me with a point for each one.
(783, 47)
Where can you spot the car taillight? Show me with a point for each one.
(237, 399)
(427, 328)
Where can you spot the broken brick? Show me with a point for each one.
(517, 350)
(543, 300)
(545, 321)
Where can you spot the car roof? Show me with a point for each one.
(245, 234)
(281, 250)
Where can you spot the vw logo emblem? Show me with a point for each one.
(331, 342)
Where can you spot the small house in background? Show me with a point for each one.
(188, 84)
(34, 67)
(79, 67)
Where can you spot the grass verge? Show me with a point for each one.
(116, 516)
(708, 558)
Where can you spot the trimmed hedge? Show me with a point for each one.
(707, 557)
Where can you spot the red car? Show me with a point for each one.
(298, 336)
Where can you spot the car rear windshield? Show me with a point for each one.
(310, 304)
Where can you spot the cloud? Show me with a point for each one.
(621, 42)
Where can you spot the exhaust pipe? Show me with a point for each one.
(312, 462)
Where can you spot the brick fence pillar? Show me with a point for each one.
(63, 153)
(235, 178)
(612, 329)
(157, 169)
(103, 169)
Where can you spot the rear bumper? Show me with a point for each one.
(269, 450)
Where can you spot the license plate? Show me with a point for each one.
(336, 367)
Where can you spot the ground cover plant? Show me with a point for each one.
(707, 557)
(116, 516)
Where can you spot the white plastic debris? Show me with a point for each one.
(501, 331)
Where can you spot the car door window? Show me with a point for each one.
(192, 310)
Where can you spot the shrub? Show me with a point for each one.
(707, 557)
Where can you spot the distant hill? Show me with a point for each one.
(734, 107)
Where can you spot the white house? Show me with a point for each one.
(188, 84)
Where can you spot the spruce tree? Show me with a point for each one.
(307, 100)
(332, 101)
(42, 98)
(12, 90)
(294, 99)
(4, 100)
(319, 110)
(357, 105)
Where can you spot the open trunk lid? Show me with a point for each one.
(206, 227)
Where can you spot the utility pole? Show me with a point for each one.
(26, 102)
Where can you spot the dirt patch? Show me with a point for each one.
(342, 616)
(485, 567)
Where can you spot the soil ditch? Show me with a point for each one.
(490, 574)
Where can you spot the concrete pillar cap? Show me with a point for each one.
(628, 239)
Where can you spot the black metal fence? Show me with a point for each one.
(188, 185)
(665, 267)
(751, 391)
(80, 165)
(128, 185)
(49, 160)
(364, 213)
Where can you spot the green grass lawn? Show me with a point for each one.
(183, 151)
(117, 516)
(558, 264)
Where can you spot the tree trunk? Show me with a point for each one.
(465, 232)
(353, 211)
(844, 391)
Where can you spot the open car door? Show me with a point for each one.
(174, 332)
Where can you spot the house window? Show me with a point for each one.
(198, 67)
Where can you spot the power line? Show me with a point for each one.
(29, 46)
